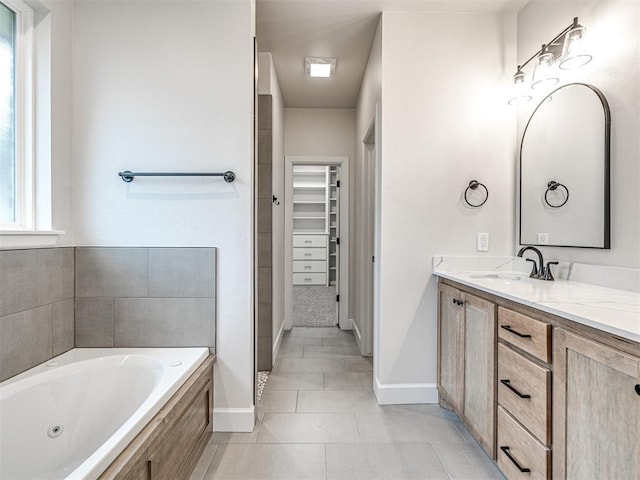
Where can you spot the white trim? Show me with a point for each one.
(356, 332)
(405, 393)
(343, 163)
(233, 419)
(28, 238)
(276, 343)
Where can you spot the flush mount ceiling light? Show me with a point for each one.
(320, 67)
(565, 51)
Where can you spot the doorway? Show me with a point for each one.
(316, 242)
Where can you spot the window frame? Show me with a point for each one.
(24, 218)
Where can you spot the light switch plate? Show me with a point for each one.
(483, 242)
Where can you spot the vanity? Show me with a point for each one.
(546, 375)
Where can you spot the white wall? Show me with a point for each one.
(369, 96)
(325, 132)
(612, 31)
(167, 86)
(444, 122)
(61, 118)
(268, 84)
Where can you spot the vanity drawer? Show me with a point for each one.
(309, 278)
(309, 253)
(518, 450)
(309, 240)
(518, 378)
(303, 266)
(524, 332)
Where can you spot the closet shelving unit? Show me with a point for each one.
(310, 224)
(334, 259)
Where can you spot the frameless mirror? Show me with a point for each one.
(564, 170)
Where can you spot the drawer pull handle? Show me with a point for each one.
(507, 383)
(514, 461)
(455, 301)
(308, 279)
(307, 267)
(637, 387)
(307, 254)
(308, 241)
(511, 330)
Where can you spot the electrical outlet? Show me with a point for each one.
(543, 239)
(483, 242)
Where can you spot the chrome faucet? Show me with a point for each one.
(539, 271)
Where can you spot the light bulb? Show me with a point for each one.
(573, 52)
(520, 90)
(543, 75)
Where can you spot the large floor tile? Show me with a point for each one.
(277, 401)
(206, 458)
(348, 381)
(339, 341)
(337, 401)
(321, 332)
(295, 381)
(359, 364)
(405, 427)
(266, 462)
(310, 365)
(332, 351)
(466, 461)
(299, 341)
(308, 428)
(291, 351)
(373, 461)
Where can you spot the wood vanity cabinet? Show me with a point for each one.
(466, 356)
(596, 407)
(567, 405)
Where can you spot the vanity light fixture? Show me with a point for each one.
(573, 52)
(320, 67)
(564, 51)
(543, 75)
(520, 88)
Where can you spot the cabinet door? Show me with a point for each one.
(596, 410)
(450, 346)
(479, 369)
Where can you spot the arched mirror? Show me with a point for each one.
(564, 170)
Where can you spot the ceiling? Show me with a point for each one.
(344, 29)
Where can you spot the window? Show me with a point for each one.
(7, 115)
(16, 115)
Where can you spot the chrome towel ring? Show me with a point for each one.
(551, 187)
(473, 185)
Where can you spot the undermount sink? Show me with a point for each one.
(498, 276)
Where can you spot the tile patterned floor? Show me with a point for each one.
(318, 419)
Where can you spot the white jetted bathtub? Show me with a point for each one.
(72, 416)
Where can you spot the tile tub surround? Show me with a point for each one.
(36, 307)
(608, 309)
(326, 424)
(145, 297)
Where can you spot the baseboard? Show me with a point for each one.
(356, 331)
(405, 393)
(233, 419)
(276, 344)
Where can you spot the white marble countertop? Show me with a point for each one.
(607, 309)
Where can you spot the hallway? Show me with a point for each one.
(319, 419)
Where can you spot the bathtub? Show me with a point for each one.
(71, 416)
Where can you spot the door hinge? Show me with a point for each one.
(338, 241)
(338, 298)
(373, 259)
(338, 184)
